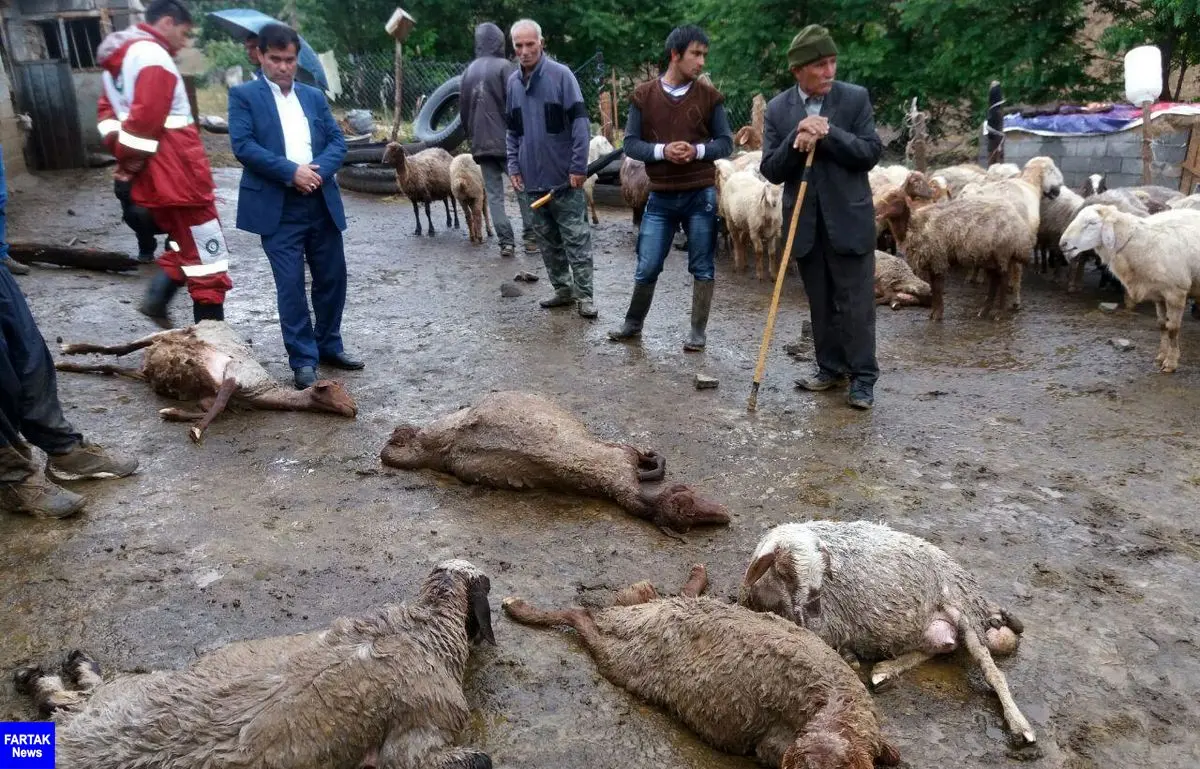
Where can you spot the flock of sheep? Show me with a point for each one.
(769, 676)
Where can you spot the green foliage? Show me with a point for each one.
(223, 54)
(1172, 25)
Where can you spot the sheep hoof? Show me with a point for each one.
(881, 681)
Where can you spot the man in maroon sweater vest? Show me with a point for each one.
(677, 126)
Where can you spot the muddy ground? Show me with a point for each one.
(1062, 471)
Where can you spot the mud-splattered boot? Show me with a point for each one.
(702, 294)
(207, 312)
(635, 316)
(39, 497)
(89, 462)
(158, 295)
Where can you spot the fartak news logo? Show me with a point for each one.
(27, 745)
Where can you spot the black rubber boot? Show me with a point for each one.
(639, 305)
(207, 312)
(702, 293)
(158, 295)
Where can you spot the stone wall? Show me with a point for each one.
(1119, 155)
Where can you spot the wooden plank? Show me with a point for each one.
(1191, 165)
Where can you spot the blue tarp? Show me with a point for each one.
(1073, 121)
(242, 22)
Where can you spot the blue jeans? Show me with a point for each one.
(307, 233)
(696, 210)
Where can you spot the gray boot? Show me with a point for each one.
(158, 295)
(639, 305)
(702, 292)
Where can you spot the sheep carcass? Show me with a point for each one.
(380, 690)
(635, 187)
(1156, 259)
(748, 684)
(754, 215)
(598, 147)
(515, 440)
(880, 594)
(466, 184)
(896, 285)
(423, 177)
(208, 363)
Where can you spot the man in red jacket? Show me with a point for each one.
(146, 121)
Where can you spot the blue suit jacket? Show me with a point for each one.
(257, 138)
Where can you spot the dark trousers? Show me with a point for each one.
(28, 387)
(139, 219)
(307, 234)
(841, 299)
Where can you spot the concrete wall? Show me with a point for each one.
(1118, 155)
(88, 85)
(11, 138)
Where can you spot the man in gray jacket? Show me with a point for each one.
(482, 107)
(548, 147)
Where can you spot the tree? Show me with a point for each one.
(1172, 25)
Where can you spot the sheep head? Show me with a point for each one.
(787, 574)
(477, 586)
(679, 508)
(1090, 229)
(393, 155)
(917, 186)
(403, 449)
(1096, 183)
(332, 396)
(1044, 175)
(837, 745)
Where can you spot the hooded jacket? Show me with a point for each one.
(482, 98)
(145, 119)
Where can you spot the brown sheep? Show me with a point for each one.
(514, 440)
(423, 177)
(747, 683)
(209, 363)
(635, 187)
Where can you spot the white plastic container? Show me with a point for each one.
(1143, 74)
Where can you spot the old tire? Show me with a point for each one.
(373, 178)
(436, 109)
(372, 152)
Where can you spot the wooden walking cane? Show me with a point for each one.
(760, 369)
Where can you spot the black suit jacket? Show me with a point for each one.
(838, 184)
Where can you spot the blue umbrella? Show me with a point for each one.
(243, 22)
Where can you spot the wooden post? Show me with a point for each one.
(399, 26)
(1189, 182)
(919, 143)
(995, 124)
(1146, 142)
(616, 115)
(758, 113)
(606, 116)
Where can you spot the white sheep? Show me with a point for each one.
(1156, 258)
(880, 594)
(466, 183)
(383, 689)
(1191, 202)
(598, 147)
(753, 210)
(954, 178)
(999, 171)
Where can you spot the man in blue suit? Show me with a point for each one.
(286, 138)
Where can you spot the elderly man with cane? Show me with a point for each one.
(834, 239)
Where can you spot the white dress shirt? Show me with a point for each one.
(812, 104)
(297, 136)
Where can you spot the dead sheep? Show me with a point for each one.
(423, 177)
(516, 440)
(1156, 259)
(880, 594)
(208, 363)
(383, 690)
(896, 285)
(749, 684)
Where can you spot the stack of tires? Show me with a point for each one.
(363, 169)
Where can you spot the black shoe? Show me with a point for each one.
(159, 293)
(861, 396)
(821, 381)
(339, 360)
(560, 299)
(306, 377)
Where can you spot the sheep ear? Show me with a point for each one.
(1108, 235)
(826, 559)
(479, 622)
(760, 566)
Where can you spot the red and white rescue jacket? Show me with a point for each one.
(145, 114)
